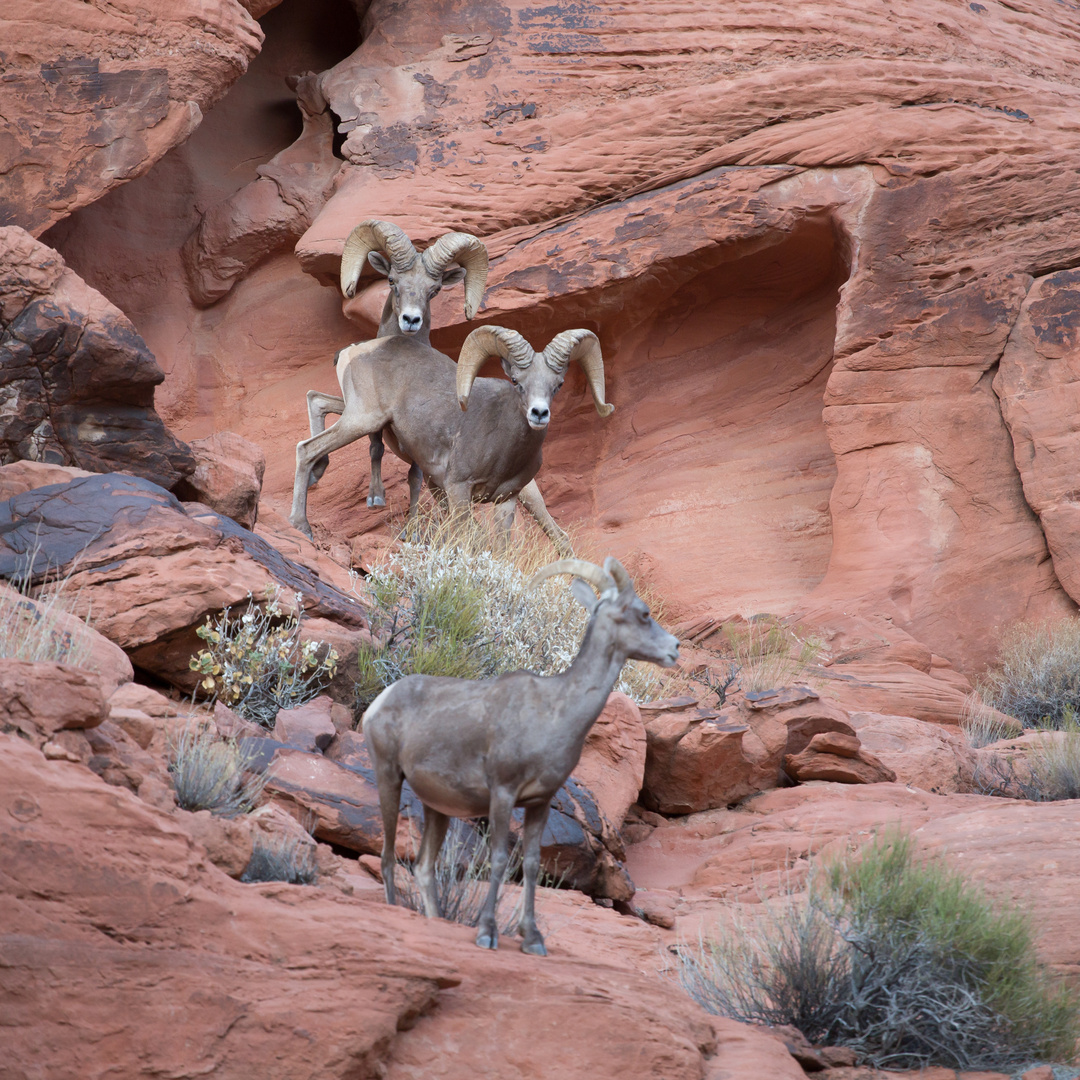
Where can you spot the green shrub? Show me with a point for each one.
(900, 960)
(256, 663)
(210, 773)
(1037, 679)
(447, 605)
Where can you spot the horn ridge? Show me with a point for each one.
(374, 235)
(467, 251)
(487, 341)
(595, 575)
(584, 347)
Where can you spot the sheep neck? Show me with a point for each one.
(581, 691)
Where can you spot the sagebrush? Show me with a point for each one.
(444, 603)
(1037, 677)
(211, 773)
(256, 663)
(1048, 770)
(899, 959)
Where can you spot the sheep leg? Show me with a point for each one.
(377, 497)
(533, 501)
(435, 825)
(535, 820)
(502, 806)
(416, 482)
(389, 779)
(504, 521)
(319, 404)
(351, 426)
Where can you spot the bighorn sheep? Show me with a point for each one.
(489, 449)
(470, 749)
(415, 280)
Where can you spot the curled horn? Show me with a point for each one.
(488, 341)
(584, 347)
(596, 576)
(464, 249)
(369, 236)
(618, 572)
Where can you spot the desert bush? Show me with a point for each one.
(36, 628)
(983, 725)
(462, 876)
(1037, 678)
(1048, 771)
(901, 960)
(211, 773)
(256, 663)
(768, 652)
(446, 604)
(281, 857)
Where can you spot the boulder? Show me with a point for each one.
(231, 725)
(612, 764)
(120, 761)
(308, 727)
(20, 476)
(134, 695)
(77, 380)
(926, 756)
(39, 699)
(228, 841)
(835, 756)
(228, 476)
(696, 760)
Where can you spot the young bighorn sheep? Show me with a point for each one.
(415, 280)
(475, 748)
(487, 450)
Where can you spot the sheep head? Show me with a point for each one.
(537, 376)
(415, 279)
(620, 614)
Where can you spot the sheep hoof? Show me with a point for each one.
(376, 500)
(487, 941)
(534, 947)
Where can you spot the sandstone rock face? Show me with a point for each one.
(120, 87)
(792, 240)
(612, 764)
(228, 476)
(76, 380)
(40, 699)
(832, 755)
(923, 755)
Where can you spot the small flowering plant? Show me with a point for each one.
(256, 663)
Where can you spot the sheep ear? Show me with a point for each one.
(453, 275)
(583, 594)
(379, 263)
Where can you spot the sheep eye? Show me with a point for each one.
(513, 380)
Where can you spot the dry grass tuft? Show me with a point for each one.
(40, 628)
(211, 773)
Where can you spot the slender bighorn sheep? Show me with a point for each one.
(470, 749)
(487, 450)
(415, 280)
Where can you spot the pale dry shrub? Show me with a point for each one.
(983, 725)
(771, 652)
(450, 602)
(1037, 678)
(211, 773)
(1048, 771)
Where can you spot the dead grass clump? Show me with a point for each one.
(983, 725)
(1037, 679)
(281, 857)
(40, 628)
(211, 773)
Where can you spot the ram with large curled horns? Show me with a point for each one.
(415, 278)
(475, 439)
